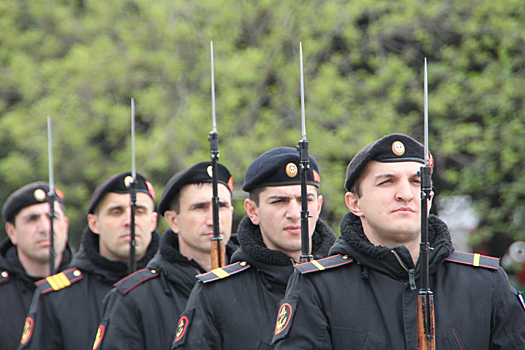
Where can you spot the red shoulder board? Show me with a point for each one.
(324, 264)
(223, 272)
(59, 281)
(129, 282)
(4, 276)
(474, 259)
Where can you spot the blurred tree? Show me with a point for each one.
(80, 62)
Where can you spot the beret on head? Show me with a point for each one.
(33, 193)
(391, 148)
(199, 173)
(279, 167)
(119, 184)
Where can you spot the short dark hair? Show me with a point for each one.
(255, 193)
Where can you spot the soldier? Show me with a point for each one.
(365, 294)
(24, 257)
(67, 307)
(141, 312)
(234, 307)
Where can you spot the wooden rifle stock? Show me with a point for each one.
(426, 339)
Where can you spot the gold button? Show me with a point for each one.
(153, 271)
(345, 256)
(243, 263)
(5, 274)
(77, 273)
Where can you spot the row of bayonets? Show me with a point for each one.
(425, 296)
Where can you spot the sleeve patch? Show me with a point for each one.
(284, 318)
(59, 281)
(128, 283)
(474, 259)
(27, 333)
(223, 272)
(182, 329)
(100, 334)
(324, 264)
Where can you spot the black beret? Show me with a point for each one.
(391, 148)
(33, 193)
(199, 173)
(119, 184)
(279, 167)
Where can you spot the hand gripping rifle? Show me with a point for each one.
(133, 194)
(51, 196)
(218, 255)
(302, 147)
(425, 302)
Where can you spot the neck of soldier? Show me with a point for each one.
(412, 244)
(200, 257)
(37, 268)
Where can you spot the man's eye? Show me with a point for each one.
(223, 205)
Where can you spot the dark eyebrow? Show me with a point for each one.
(199, 204)
(121, 207)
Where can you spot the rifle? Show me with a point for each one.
(133, 194)
(218, 254)
(425, 301)
(302, 147)
(51, 199)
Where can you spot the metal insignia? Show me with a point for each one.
(291, 170)
(398, 148)
(127, 181)
(210, 171)
(40, 195)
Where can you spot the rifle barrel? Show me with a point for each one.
(51, 199)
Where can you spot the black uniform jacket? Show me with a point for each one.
(235, 307)
(366, 298)
(16, 293)
(143, 309)
(66, 309)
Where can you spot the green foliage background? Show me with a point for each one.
(80, 62)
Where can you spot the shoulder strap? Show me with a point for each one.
(324, 264)
(59, 281)
(474, 259)
(129, 282)
(223, 272)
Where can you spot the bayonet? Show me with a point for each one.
(51, 199)
(133, 194)
(425, 304)
(218, 257)
(302, 147)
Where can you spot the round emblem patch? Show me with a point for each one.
(291, 170)
(181, 328)
(398, 148)
(283, 318)
(29, 325)
(40, 195)
(100, 335)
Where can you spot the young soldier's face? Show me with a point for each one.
(194, 222)
(112, 222)
(279, 216)
(31, 231)
(390, 202)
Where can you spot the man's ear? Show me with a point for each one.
(172, 218)
(10, 230)
(93, 223)
(352, 202)
(251, 211)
